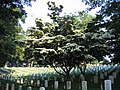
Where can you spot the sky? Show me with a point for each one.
(39, 9)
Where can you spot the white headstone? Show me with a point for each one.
(21, 80)
(13, 87)
(42, 78)
(105, 73)
(82, 77)
(55, 78)
(72, 79)
(41, 88)
(62, 79)
(96, 73)
(111, 78)
(108, 85)
(56, 85)
(18, 81)
(114, 75)
(84, 85)
(46, 83)
(101, 86)
(38, 83)
(29, 88)
(33, 77)
(101, 76)
(7, 86)
(20, 88)
(95, 79)
(68, 85)
(31, 82)
(48, 78)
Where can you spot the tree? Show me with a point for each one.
(60, 46)
(11, 11)
(108, 18)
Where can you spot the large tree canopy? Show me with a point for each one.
(11, 11)
(61, 43)
(108, 19)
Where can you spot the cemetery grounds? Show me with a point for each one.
(35, 78)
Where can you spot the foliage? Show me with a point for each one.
(59, 44)
(108, 19)
(11, 11)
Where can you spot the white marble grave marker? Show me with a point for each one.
(21, 80)
(108, 85)
(46, 83)
(114, 75)
(82, 77)
(56, 85)
(31, 82)
(20, 88)
(55, 78)
(13, 87)
(42, 78)
(101, 76)
(95, 79)
(111, 78)
(38, 83)
(84, 85)
(62, 79)
(68, 85)
(41, 88)
(105, 73)
(29, 88)
(7, 86)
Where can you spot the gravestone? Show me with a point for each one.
(38, 83)
(13, 87)
(7, 86)
(111, 78)
(18, 81)
(29, 88)
(42, 78)
(68, 85)
(41, 88)
(101, 87)
(84, 85)
(72, 79)
(20, 88)
(56, 85)
(21, 80)
(96, 79)
(108, 85)
(55, 78)
(48, 78)
(101, 76)
(114, 75)
(82, 77)
(31, 82)
(46, 83)
(62, 79)
(105, 73)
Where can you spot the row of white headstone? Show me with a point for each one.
(68, 83)
(102, 76)
(20, 87)
(95, 79)
(107, 83)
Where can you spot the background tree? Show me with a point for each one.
(11, 11)
(108, 19)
